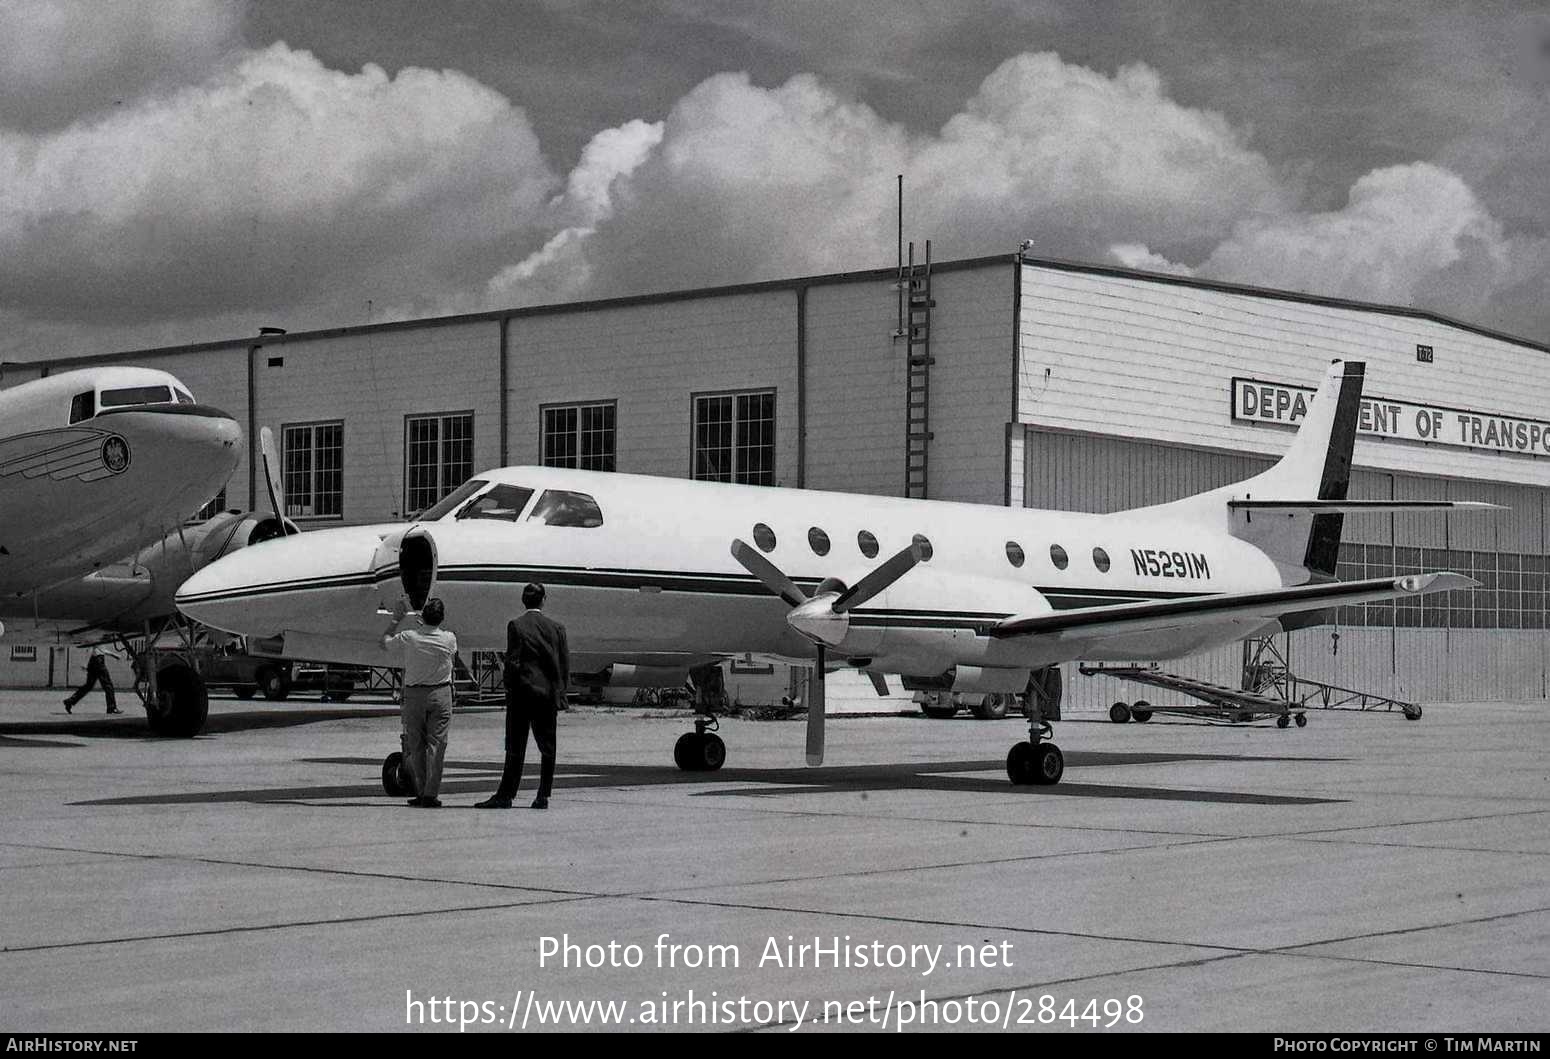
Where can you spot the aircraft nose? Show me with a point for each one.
(312, 582)
(199, 445)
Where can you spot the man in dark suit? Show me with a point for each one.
(537, 672)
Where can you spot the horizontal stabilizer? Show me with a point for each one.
(1357, 507)
(1265, 604)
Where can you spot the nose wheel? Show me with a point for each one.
(702, 749)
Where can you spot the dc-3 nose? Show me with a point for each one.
(202, 443)
(319, 582)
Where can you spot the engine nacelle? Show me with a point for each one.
(620, 675)
(979, 679)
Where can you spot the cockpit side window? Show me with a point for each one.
(561, 507)
(504, 502)
(132, 395)
(447, 504)
(184, 397)
(83, 406)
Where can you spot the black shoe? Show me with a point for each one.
(540, 803)
(415, 801)
(430, 803)
(114, 709)
(69, 705)
(494, 803)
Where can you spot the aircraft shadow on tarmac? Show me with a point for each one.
(958, 776)
(133, 724)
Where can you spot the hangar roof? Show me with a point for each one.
(793, 283)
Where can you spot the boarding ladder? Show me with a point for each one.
(915, 329)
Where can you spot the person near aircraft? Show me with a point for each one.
(426, 653)
(96, 673)
(536, 673)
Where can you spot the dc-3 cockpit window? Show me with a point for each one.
(561, 507)
(184, 397)
(83, 406)
(131, 395)
(504, 502)
(447, 504)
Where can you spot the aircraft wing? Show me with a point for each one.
(1266, 604)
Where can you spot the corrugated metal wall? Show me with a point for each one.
(1080, 472)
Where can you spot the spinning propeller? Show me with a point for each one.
(824, 618)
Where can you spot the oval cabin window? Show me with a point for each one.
(1057, 555)
(1101, 560)
(925, 546)
(1014, 553)
(818, 540)
(764, 537)
(867, 543)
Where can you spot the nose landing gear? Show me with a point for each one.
(1037, 762)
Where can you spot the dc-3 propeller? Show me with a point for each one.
(272, 480)
(823, 618)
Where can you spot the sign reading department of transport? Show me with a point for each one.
(1254, 401)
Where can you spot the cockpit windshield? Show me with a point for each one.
(447, 504)
(131, 395)
(504, 502)
(561, 507)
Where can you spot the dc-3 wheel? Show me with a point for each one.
(1035, 765)
(699, 752)
(991, 708)
(275, 684)
(1302, 720)
(1283, 721)
(1413, 714)
(1141, 712)
(182, 703)
(395, 778)
(1119, 713)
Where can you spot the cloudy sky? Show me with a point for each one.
(182, 170)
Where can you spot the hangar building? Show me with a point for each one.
(998, 380)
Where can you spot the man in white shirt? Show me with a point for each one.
(426, 654)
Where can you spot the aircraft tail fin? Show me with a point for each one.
(1317, 467)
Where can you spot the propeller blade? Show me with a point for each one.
(815, 710)
(273, 483)
(878, 580)
(767, 572)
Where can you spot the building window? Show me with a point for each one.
(213, 508)
(579, 436)
(734, 438)
(438, 457)
(24, 652)
(314, 470)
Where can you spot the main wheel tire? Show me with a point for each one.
(991, 708)
(1284, 721)
(395, 778)
(245, 691)
(1416, 716)
(182, 703)
(1141, 712)
(699, 752)
(1020, 764)
(1119, 713)
(938, 713)
(1049, 764)
(1302, 720)
(274, 683)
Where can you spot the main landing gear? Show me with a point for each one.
(1037, 762)
(702, 749)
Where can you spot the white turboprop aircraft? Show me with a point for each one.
(658, 573)
(97, 463)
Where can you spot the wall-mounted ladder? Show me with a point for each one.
(915, 328)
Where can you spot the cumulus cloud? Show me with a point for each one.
(265, 184)
(1411, 234)
(60, 59)
(752, 182)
